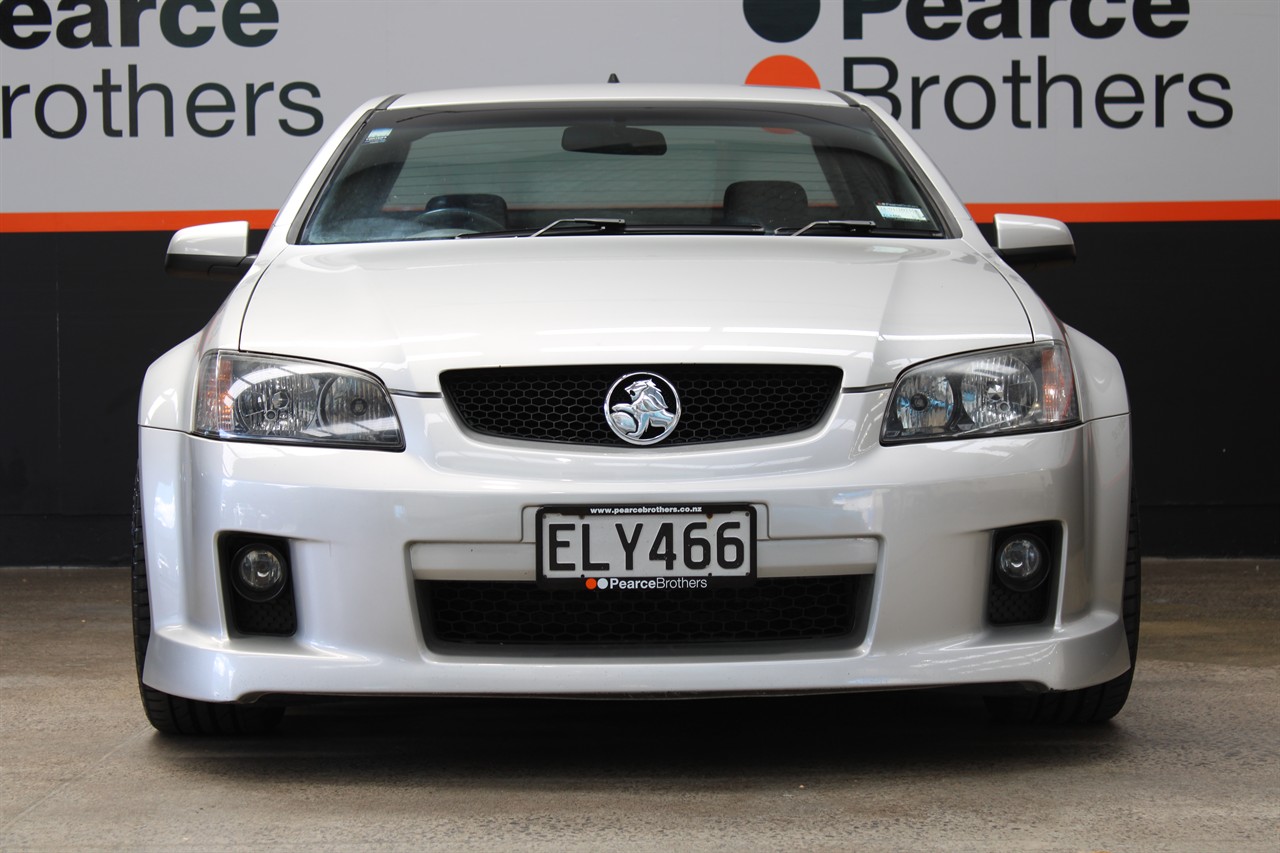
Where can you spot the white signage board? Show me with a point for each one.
(111, 106)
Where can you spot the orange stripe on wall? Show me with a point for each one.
(129, 220)
(1112, 211)
(1138, 211)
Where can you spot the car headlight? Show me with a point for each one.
(268, 398)
(985, 393)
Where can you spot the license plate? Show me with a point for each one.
(647, 547)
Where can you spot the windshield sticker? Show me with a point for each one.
(904, 212)
(377, 135)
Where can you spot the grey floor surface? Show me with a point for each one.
(1192, 764)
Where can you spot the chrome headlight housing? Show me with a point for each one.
(266, 398)
(984, 393)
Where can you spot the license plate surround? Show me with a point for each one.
(720, 533)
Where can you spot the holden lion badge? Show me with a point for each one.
(642, 408)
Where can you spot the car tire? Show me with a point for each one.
(1101, 702)
(175, 715)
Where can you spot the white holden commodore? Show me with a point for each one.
(630, 391)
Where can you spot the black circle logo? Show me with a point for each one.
(781, 20)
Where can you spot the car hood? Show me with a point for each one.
(408, 311)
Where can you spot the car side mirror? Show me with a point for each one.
(219, 251)
(1028, 240)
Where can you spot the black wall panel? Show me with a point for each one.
(1183, 305)
(1186, 307)
(84, 314)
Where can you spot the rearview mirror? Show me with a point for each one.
(219, 251)
(613, 139)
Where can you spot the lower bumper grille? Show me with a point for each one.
(774, 609)
(1006, 607)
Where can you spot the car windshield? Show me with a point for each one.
(516, 171)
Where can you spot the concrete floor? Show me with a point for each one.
(1192, 764)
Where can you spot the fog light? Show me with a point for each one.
(258, 572)
(1022, 563)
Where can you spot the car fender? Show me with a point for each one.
(1100, 386)
(165, 402)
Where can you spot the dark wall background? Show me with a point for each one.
(1183, 305)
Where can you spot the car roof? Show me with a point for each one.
(619, 92)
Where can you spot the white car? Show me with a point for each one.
(642, 391)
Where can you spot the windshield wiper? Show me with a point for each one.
(560, 226)
(679, 228)
(613, 226)
(597, 226)
(850, 226)
(862, 227)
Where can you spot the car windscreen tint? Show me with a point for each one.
(417, 176)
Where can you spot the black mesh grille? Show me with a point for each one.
(523, 614)
(1006, 607)
(277, 617)
(720, 402)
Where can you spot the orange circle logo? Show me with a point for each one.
(783, 70)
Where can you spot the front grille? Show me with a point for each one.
(497, 613)
(720, 402)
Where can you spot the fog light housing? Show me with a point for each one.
(1022, 562)
(259, 572)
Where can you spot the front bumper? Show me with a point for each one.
(365, 526)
